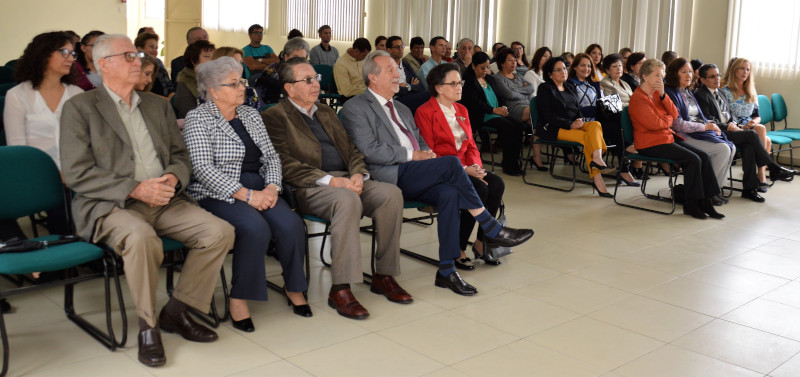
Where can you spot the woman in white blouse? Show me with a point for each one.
(534, 74)
(33, 108)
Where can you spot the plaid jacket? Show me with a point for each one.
(217, 151)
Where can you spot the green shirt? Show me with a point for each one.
(492, 100)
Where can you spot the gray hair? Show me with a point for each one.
(210, 75)
(286, 70)
(649, 66)
(102, 47)
(370, 67)
(294, 44)
(464, 40)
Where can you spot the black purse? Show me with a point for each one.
(609, 106)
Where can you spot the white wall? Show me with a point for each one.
(20, 21)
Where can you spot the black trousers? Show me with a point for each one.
(491, 194)
(698, 175)
(511, 133)
(753, 155)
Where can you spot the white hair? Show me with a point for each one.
(464, 40)
(210, 75)
(102, 47)
(370, 66)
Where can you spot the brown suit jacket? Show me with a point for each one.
(299, 149)
(97, 158)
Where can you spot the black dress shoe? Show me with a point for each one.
(511, 236)
(151, 350)
(717, 200)
(691, 208)
(455, 283)
(762, 189)
(185, 326)
(245, 325)
(779, 173)
(465, 264)
(753, 195)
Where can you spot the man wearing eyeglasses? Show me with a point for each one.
(124, 157)
(384, 130)
(409, 83)
(257, 57)
(333, 183)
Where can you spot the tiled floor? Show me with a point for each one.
(600, 290)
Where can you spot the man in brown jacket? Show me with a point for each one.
(124, 157)
(333, 183)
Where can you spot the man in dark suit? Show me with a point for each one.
(385, 132)
(715, 107)
(178, 64)
(124, 157)
(333, 183)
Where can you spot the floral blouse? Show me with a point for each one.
(741, 110)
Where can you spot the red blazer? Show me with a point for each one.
(652, 119)
(434, 129)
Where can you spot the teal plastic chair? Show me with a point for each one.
(6, 75)
(780, 113)
(327, 86)
(30, 184)
(553, 146)
(627, 135)
(4, 88)
(2, 126)
(783, 139)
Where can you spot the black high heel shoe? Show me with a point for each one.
(484, 257)
(301, 310)
(603, 194)
(602, 169)
(634, 183)
(245, 325)
(538, 167)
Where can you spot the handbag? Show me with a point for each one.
(494, 251)
(609, 106)
(15, 245)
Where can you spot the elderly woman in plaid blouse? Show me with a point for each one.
(237, 177)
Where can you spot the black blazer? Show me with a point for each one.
(630, 80)
(556, 112)
(708, 105)
(474, 99)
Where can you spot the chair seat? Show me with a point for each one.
(413, 204)
(315, 219)
(169, 244)
(53, 258)
(778, 139)
(790, 134)
(636, 156)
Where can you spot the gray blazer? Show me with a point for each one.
(371, 130)
(97, 158)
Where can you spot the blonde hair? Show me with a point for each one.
(226, 51)
(149, 60)
(749, 85)
(649, 66)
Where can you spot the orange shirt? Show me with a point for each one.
(652, 119)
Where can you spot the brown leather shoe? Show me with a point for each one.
(183, 324)
(151, 350)
(387, 286)
(346, 304)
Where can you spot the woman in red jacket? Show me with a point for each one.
(652, 114)
(444, 124)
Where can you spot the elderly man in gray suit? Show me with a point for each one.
(124, 157)
(385, 132)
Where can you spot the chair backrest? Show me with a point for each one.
(31, 182)
(764, 109)
(327, 76)
(6, 75)
(11, 63)
(534, 113)
(4, 88)
(627, 126)
(779, 111)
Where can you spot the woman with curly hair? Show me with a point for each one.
(46, 77)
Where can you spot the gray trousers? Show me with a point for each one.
(383, 202)
(721, 157)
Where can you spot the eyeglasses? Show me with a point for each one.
(130, 56)
(309, 80)
(236, 84)
(398, 46)
(258, 33)
(65, 52)
(713, 76)
(559, 70)
(454, 84)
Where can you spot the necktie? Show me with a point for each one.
(405, 130)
